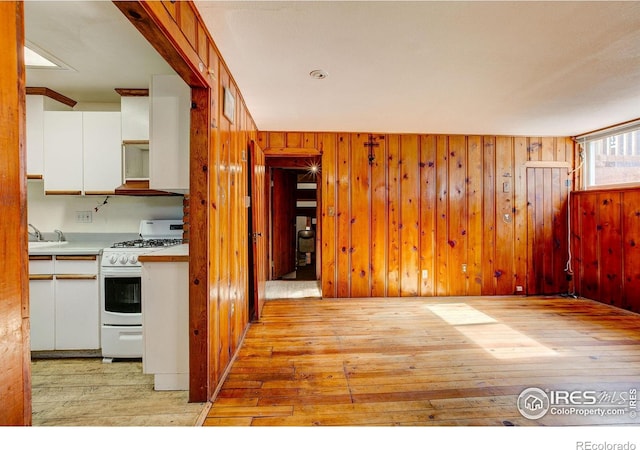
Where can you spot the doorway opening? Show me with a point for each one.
(294, 228)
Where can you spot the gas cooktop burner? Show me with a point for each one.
(147, 243)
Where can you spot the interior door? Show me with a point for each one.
(547, 197)
(258, 233)
(284, 221)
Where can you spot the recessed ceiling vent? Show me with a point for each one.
(318, 74)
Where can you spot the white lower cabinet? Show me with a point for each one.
(165, 324)
(41, 303)
(77, 314)
(42, 314)
(64, 302)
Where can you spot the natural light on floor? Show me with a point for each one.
(276, 289)
(499, 340)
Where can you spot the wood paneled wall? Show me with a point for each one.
(605, 238)
(218, 218)
(437, 214)
(15, 356)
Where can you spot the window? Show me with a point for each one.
(613, 156)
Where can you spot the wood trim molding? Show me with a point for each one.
(291, 151)
(547, 164)
(281, 162)
(40, 277)
(76, 277)
(141, 188)
(163, 258)
(153, 21)
(62, 192)
(126, 92)
(99, 192)
(630, 187)
(543, 165)
(34, 177)
(40, 257)
(76, 257)
(51, 94)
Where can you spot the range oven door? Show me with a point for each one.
(121, 297)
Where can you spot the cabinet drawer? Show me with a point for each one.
(77, 264)
(41, 265)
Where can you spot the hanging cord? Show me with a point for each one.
(102, 204)
(568, 267)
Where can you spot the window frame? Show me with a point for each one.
(588, 158)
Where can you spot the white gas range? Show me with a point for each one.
(121, 286)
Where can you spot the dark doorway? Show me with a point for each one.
(294, 224)
(283, 223)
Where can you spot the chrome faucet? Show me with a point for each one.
(36, 233)
(60, 235)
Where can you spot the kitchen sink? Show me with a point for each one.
(40, 244)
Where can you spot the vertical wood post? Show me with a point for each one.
(15, 376)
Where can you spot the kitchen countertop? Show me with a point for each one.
(68, 248)
(79, 244)
(176, 253)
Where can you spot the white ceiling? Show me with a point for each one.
(99, 44)
(516, 68)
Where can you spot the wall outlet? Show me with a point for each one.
(425, 274)
(84, 217)
(464, 268)
(519, 289)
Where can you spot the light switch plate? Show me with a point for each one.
(84, 217)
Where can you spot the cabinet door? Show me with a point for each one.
(35, 136)
(41, 302)
(102, 146)
(77, 312)
(165, 317)
(170, 118)
(42, 312)
(63, 152)
(135, 118)
(77, 294)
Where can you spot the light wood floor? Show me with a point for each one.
(280, 289)
(86, 392)
(438, 361)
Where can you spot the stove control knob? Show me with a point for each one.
(113, 259)
(123, 259)
(133, 259)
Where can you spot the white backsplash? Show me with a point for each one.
(121, 214)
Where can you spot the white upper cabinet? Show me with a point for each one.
(170, 121)
(63, 152)
(82, 152)
(102, 165)
(135, 118)
(36, 106)
(35, 136)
